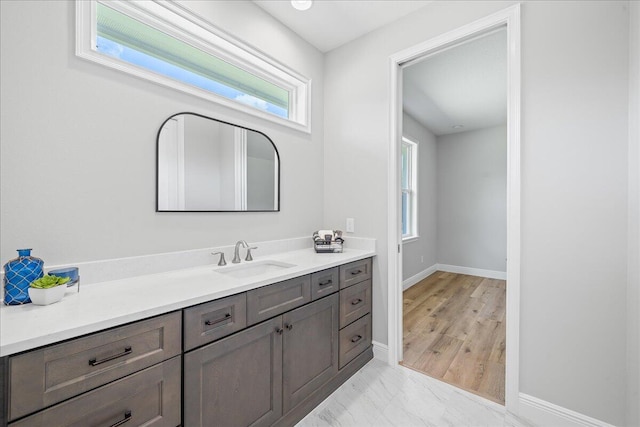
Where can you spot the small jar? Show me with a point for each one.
(18, 274)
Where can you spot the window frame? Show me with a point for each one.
(179, 22)
(411, 190)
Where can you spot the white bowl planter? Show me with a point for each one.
(47, 296)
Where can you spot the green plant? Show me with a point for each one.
(47, 282)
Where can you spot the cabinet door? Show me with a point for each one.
(236, 381)
(310, 349)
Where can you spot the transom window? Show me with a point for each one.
(166, 43)
(409, 180)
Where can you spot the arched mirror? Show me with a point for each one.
(206, 165)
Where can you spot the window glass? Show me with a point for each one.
(132, 41)
(409, 189)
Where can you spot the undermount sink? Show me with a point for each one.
(254, 268)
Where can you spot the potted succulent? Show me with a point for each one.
(47, 290)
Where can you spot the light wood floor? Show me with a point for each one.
(454, 330)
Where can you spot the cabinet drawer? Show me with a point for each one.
(324, 283)
(355, 272)
(150, 397)
(355, 302)
(268, 301)
(354, 339)
(49, 375)
(208, 322)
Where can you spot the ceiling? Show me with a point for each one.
(329, 24)
(464, 85)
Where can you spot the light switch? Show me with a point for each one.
(351, 225)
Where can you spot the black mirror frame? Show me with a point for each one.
(227, 123)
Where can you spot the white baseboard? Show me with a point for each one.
(491, 274)
(416, 278)
(543, 413)
(406, 284)
(380, 351)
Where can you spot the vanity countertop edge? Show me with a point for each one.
(105, 305)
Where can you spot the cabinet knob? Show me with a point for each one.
(289, 326)
(356, 301)
(279, 331)
(356, 338)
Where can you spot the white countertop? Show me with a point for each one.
(104, 305)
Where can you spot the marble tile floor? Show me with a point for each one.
(379, 396)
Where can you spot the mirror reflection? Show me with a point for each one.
(205, 165)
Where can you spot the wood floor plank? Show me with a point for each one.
(439, 355)
(430, 287)
(468, 367)
(492, 384)
(454, 330)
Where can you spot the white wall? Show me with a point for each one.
(472, 199)
(420, 254)
(574, 183)
(574, 205)
(78, 143)
(633, 295)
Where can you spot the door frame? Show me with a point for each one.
(509, 17)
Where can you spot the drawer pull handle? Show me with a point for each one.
(213, 322)
(289, 326)
(356, 338)
(279, 331)
(328, 282)
(353, 273)
(356, 301)
(96, 362)
(126, 419)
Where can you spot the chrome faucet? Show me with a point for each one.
(236, 253)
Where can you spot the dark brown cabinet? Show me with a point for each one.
(150, 397)
(236, 381)
(269, 301)
(263, 357)
(355, 310)
(355, 272)
(254, 376)
(310, 349)
(208, 322)
(49, 375)
(325, 283)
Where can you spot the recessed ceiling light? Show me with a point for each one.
(457, 127)
(301, 4)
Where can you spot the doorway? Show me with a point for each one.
(509, 19)
(454, 214)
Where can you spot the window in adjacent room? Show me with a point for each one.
(409, 180)
(168, 44)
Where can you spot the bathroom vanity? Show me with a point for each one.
(258, 350)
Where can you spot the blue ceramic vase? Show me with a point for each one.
(18, 274)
